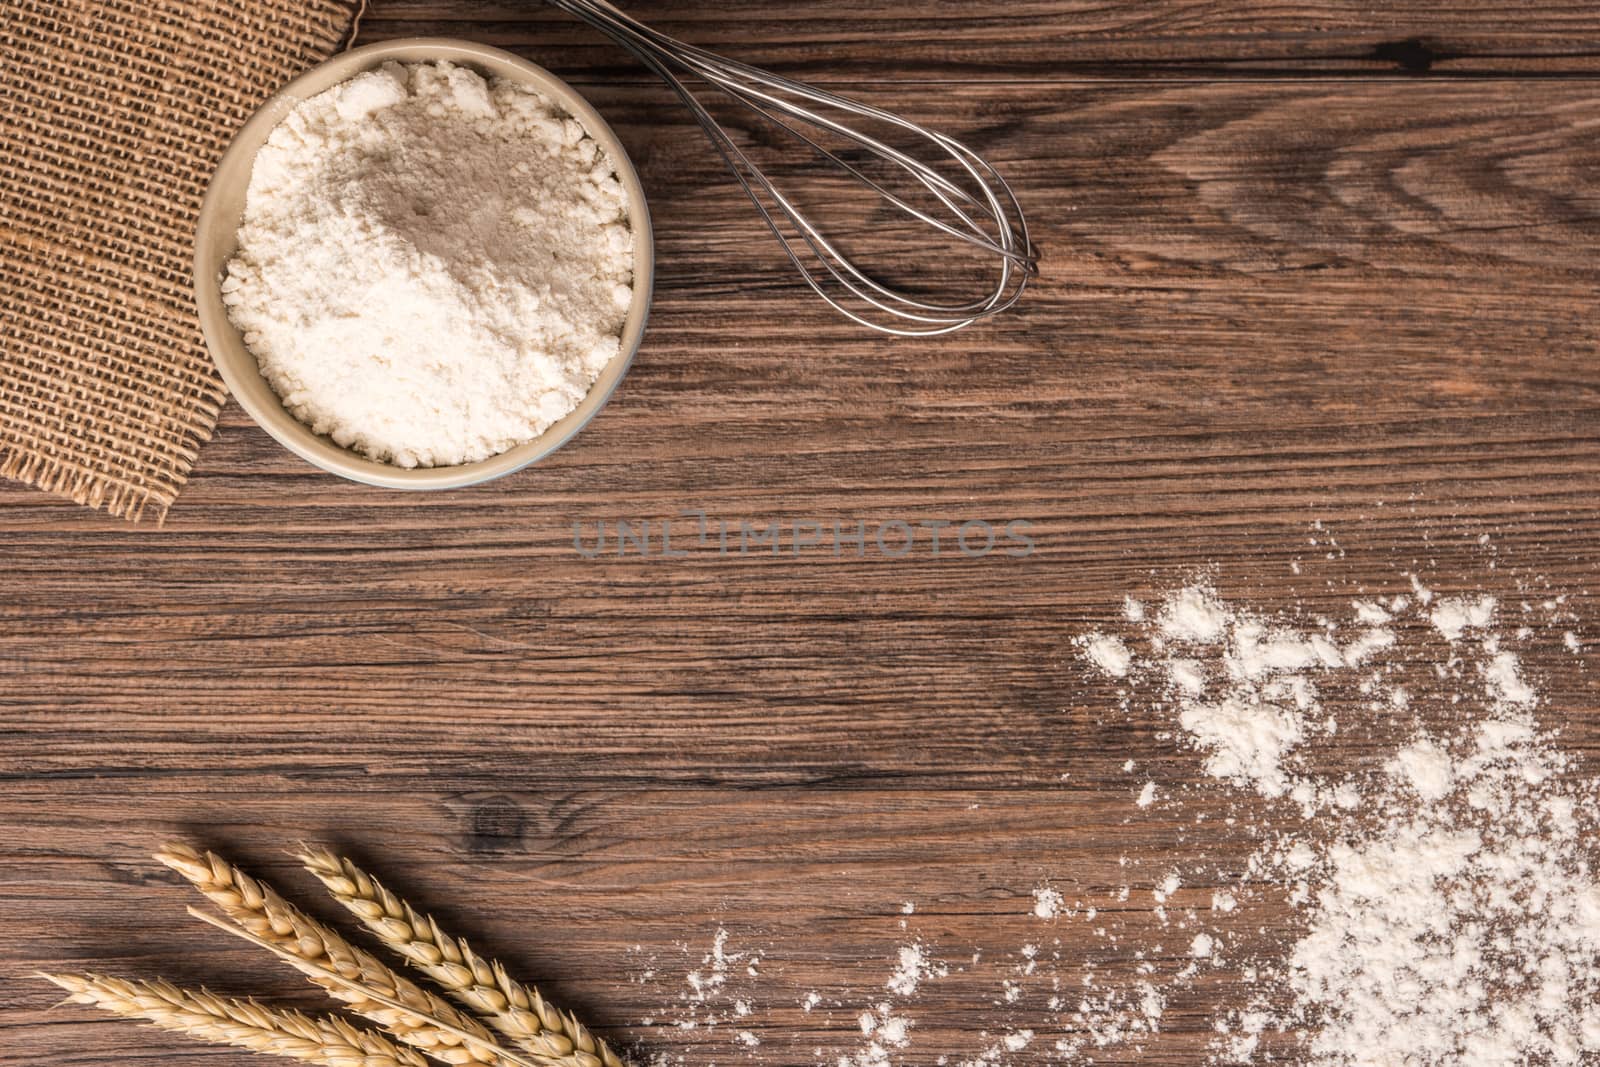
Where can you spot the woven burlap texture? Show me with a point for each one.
(112, 115)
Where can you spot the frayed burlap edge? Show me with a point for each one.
(355, 25)
(97, 490)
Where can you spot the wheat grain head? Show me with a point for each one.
(328, 1040)
(514, 1009)
(313, 947)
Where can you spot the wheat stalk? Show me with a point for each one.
(515, 1010)
(368, 985)
(328, 1040)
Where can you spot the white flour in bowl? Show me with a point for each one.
(432, 268)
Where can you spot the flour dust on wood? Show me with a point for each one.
(1442, 890)
(1447, 894)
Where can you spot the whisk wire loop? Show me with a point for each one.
(983, 213)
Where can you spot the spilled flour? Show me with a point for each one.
(1450, 910)
(714, 992)
(1384, 861)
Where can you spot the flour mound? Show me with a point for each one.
(433, 267)
(1463, 932)
(1447, 895)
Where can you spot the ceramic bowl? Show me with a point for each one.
(217, 241)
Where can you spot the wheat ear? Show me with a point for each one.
(515, 1010)
(355, 976)
(329, 1040)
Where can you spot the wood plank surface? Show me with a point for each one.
(1041, 39)
(1267, 302)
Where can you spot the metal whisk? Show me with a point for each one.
(970, 201)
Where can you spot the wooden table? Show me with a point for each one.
(1304, 263)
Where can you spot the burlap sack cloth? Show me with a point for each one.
(112, 115)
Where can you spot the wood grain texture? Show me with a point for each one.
(1043, 39)
(1266, 302)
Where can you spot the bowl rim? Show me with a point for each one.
(219, 331)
